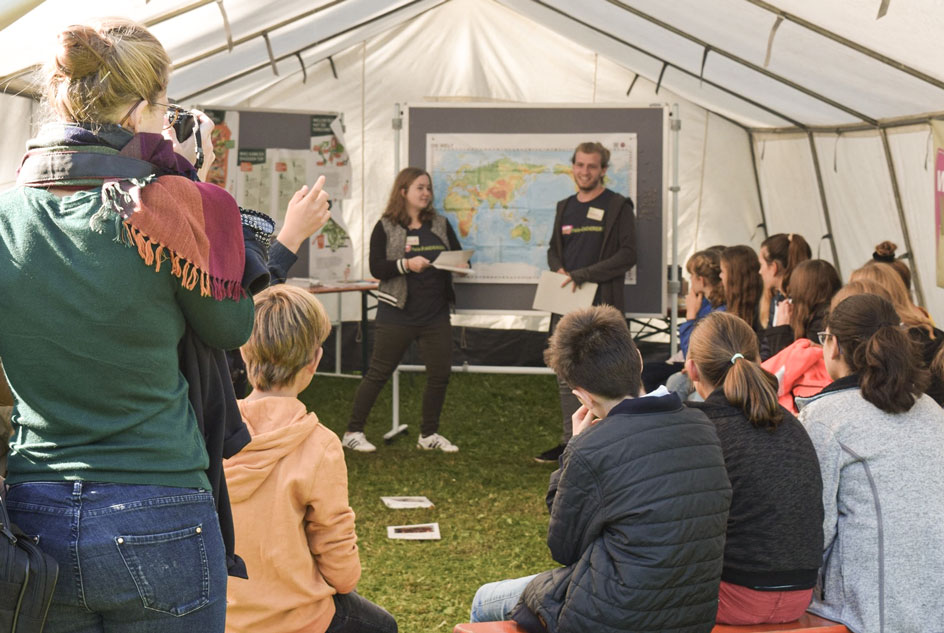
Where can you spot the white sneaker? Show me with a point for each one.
(436, 442)
(357, 442)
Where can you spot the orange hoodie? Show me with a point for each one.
(294, 527)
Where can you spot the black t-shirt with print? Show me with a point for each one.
(582, 231)
(427, 290)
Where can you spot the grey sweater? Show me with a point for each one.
(883, 496)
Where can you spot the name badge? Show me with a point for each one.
(412, 240)
(595, 214)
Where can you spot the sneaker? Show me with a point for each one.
(357, 442)
(436, 442)
(551, 455)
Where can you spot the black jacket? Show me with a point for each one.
(617, 254)
(638, 514)
(775, 527)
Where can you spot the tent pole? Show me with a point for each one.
(668, 64)
(257, 67)
(916, 275)
(897, 65)
(397, 126)
(822, 199)
(742, 61)
(674, 285)
(760, 198)
(16, 9)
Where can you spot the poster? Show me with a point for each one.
(500, 191)
(331, 255)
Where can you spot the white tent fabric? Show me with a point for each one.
(835, 74)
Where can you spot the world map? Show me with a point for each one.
(501, 194)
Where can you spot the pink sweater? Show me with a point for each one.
(294, 527)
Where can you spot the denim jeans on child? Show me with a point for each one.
(494, 601)
(132, 558)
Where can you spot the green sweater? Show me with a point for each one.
(88, 337)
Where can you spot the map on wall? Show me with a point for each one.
(500, 192)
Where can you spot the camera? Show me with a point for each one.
(184, 126)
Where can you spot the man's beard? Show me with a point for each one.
(592, 187)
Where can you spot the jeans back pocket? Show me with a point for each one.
(169, 569)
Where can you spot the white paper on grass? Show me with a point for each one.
(419, 532)
(551, 297)
(454, 261)
(401, 503)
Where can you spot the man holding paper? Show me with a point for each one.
(594, 240)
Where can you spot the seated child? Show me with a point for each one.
(638, 507)
(288, 488)
(775, 528)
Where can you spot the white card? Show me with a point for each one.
(420, 532)
(551, 297)
(402, 503)
(455, 261)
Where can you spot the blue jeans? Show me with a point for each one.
(494, 601)
(132, 558)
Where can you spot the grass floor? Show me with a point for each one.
(489, 497)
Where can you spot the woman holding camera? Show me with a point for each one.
(414, 305)
(105, 256)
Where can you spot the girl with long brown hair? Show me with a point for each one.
(743, 285)
(779, 254)
(811, 287)
(880, 444)
(774, 537)
(415, 298)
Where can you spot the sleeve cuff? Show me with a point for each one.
(401, 266)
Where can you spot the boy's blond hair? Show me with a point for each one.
(290, 326)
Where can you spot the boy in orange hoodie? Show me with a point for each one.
(288, 488)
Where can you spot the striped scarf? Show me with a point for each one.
(150, 197)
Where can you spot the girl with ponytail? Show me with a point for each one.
(774, 537)
(880, 444)
(779, 255)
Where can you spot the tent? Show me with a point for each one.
(797, 115)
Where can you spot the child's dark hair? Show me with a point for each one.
(724, 349)
(592, 349)
(743, 284)
(788, 250)
(877, 348)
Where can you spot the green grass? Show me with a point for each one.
(489, 497)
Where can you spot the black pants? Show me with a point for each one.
(568, 401)
(354, 614)
(390, 344)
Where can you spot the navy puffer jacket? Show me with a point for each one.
(638, 515)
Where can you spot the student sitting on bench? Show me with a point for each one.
(774, 543)
(638, 507)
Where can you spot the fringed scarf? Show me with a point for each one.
(150, 198)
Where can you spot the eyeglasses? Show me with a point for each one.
(824, 336)
(174, 112)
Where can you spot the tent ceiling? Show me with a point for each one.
(830, 64)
